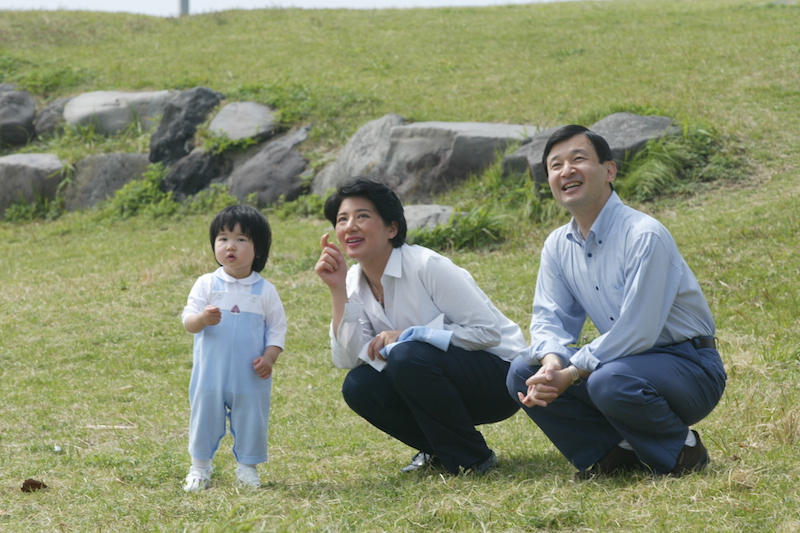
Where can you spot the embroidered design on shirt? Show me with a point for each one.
(235, 310)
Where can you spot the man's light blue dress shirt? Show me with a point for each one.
(628, 277)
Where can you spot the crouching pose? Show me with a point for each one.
(429, 352)
(626, 400)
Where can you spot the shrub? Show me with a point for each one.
(479, 228)
(307, 206)
(142, 196)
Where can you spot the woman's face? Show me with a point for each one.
(361, 231)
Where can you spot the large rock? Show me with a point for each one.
(50, 120)
(195, 172)
(426, 216)
(274, 172)
(527, 159)
(364, 155)
(27, 177)
(244, 120)
(174, 137)
(428, 158)
(626, 134)
(17, 111)
(97, 177)
(112, 111)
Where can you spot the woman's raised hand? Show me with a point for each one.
(331, 266)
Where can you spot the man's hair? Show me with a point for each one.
(382, 197)
(252, 223)
(568, 132)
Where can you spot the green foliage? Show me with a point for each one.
(478, 228)
(299, 102)
(306, 206)
(72, 143)
(212, 199)
(680, 164)
(43, 79)
(146, 197)
(41, 208)
(141, 197)
(217, 143)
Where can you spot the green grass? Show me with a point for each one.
(93, 357)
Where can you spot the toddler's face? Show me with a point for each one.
(235, 251)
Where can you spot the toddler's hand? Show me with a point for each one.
(212, 315)
(263, 367)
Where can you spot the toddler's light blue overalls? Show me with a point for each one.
(224, 383)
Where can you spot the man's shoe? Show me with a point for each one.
(691, 459)
(617, 461)
(483, 467)
(421, 461)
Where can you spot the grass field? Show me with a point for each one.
(93, 357)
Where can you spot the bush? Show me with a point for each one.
(476, 229)
(307, 206)
(143, 196)
(680, 164)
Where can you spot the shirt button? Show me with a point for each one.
(590, 255)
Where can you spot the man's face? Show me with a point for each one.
(577, 178)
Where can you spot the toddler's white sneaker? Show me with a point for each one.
(198, 479)
(248, 477)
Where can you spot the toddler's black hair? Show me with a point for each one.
(253, 224)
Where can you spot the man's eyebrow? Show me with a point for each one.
(576, 151)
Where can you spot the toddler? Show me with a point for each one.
(240, 327)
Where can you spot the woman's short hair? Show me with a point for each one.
(252, 223)
(382, 197)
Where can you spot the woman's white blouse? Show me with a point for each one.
(419, 285)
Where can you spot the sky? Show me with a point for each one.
(171, 8)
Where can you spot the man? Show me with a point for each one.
(626, 400)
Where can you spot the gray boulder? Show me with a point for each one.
(274, 172)
(97, 177)
(528, 157)
(245, 120)
(364, 155)
(626, 134)
(113, 111)
(428, 158)
(17, 111)
(426, 216)
(26, 177)
(193, 173)
(174, 137)
(50, 120)
(7, 87)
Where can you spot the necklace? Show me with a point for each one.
(375, 292)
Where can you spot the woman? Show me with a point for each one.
(426, 396)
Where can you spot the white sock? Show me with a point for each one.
(201, 463)
(242, 465)
(625, 446)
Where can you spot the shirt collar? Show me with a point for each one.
(602, 224)
(224, 276)
(394, 267)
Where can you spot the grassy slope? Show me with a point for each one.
(90, 335)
